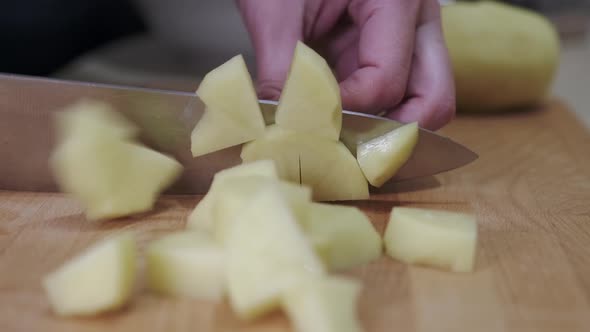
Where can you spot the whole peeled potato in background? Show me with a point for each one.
(503, 57)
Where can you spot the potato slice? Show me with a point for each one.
(232, 115)
(234, 195)
(99, 279)
(188, 264)
(436, 238)
(111, 176)
(343, 236)
(201, 218)
(326, 166)
(324, 305)
(381, 157)
(310, 100)
(267, 253)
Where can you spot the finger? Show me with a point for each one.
(340, 49)
(274, 28)
(431, 91)
(385, 47)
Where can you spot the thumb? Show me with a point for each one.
(274, 28)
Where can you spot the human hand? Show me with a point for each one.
(388, 55)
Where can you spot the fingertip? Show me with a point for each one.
(269, 90)
(370, 90)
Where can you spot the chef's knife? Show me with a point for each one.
(166, 119)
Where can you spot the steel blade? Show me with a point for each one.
(166, 119)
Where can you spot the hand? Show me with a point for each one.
(388, 55)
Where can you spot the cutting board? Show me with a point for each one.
(530, 191)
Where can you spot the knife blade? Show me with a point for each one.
(166, 119)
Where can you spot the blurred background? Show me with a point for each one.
(171, 44)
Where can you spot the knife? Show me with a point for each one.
(166, 119)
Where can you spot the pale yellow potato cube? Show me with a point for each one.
(233, 196)
(267, 253)
(326, 166)
(343, 236)
(111, 175)
(447, 240)
(232, 114)
(189, 264)
(97, 280)
(328, 304)
(381, 157)
(201, 218)
(310, 100)
(88, 117)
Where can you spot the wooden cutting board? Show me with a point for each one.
(530, 191)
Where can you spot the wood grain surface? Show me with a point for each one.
(530, 191)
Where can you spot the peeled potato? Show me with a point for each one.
(98, 163)
(310, 100)
(381, 157)
(447, 240)
(187, 264)
(234, 196)
(326, 166)
(326, 304)
(502, 56)
(343, 236)
(201, 218)
(99, 279)
(232, 115)
(267, 253)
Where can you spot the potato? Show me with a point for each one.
(442, 239)
(343, 236)
(89, 116)
(187, 264)
(201, 218)
(310, 100)
(110, 174)
(326, 166)
(233, 197)
(267, 253)
(326, 304)
(232, 115)
(381, 157)
(99, 279)
(503, 56)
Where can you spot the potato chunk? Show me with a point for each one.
(381, 157)
(232, 114)
(187, 264)
(99, 279)
(343, 236)
(436, 238)
(310, 100)
(326, 166)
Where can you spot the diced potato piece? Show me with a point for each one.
(201, 218)
(326, 166)
(343, 236)
(381, 157)
(232, 115)
(93, 117)
(188, 264)
(441, 239)
(267, 253)
(310, 100)
(324, 305)
(234, 195)
(99, 279)
(111, 176)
